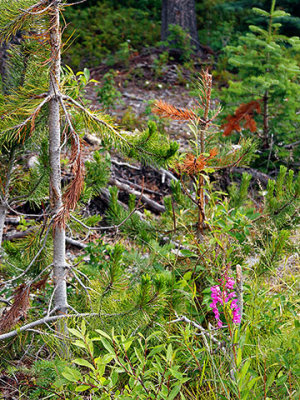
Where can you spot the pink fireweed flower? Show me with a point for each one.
(224, 294)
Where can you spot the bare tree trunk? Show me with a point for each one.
(203, 129)
(266, 143)
(5, 196)
(3, 211)
(59, 267)
(182, 13)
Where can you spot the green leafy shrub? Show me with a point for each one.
(160, 64)
(129, 368)
(121, 56)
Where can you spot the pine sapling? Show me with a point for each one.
(201, 158)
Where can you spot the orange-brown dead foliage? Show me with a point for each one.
(243, 114)
(167, 110)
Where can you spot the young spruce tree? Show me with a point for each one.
(205, 154)
(266, 88)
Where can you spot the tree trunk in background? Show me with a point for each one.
(183, 13)
(5, 193)
(4, 58)
(59, 265)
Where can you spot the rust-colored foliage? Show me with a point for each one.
(20, 304)
(166, 110)
(18, 310)
(192, 165)
(39, 285)
(74, 189)
(213, 152)
(244, 113)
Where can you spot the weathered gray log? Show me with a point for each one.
(150, 203)
(260, 176)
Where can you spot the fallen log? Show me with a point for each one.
(259, 176)
(76, 243)
(150, 203)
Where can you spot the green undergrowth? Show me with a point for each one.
(122, 29)
(138, 286)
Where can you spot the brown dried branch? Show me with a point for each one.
(166, 110)
(20, 305)
(18, 310)
(74, 189)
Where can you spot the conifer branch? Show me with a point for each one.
(31, 118)
(34, 258)
(166, 110)
(14, 200)
(28, 11)
(95, 118)
(107, 228)
(234, 163)
(18, 16)
(23, 214)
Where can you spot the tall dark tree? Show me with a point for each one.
(182, 13)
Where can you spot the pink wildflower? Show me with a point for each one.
(223, 294)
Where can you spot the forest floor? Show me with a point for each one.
(140, 84)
